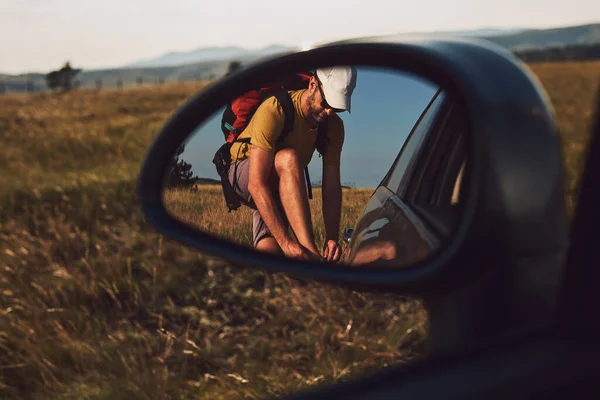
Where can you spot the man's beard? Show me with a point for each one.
(319, 117)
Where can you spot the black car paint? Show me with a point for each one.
(467, 68)
(389, 233)
(493, 291)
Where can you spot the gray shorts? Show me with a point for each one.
(240, 185)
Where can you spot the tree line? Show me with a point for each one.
(565, 53)
(65, 79)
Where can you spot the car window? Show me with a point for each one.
(434, 187)
(452, 157)
(411, 148)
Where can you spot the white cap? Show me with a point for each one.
(338, 85)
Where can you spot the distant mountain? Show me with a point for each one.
(212, 62)
(179, 58)
(533, 39)
(519, 39)
(208, 54)
(201, 64)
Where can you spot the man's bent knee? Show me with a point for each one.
(268, 244)
(286, 159)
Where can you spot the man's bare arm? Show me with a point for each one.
(332, 201)
(260, 167)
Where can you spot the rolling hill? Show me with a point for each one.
(534, 39)
(212, 62)
(209, 54)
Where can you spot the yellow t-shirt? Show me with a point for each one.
(266, 125)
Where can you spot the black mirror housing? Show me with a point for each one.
(514, 207)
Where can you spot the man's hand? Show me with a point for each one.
(296, 250)
(332, 251)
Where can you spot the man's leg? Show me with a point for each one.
(261, 236)
(268, 245)
(293, 191)
(262, 239)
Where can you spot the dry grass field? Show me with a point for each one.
(205, 209)
(94, 304)
(572, 88)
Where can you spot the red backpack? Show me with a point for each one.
(239, 112)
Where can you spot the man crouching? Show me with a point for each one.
(268, 174)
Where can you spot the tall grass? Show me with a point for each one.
(204, 208)
(95, 304)
(573, 88)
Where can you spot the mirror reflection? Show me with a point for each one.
(341, 164)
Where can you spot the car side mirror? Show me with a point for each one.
(465, 186)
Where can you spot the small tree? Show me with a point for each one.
(180, 172)
(63, 78)
(234, 66)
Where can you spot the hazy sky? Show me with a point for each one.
(385, 106)
(38, 35)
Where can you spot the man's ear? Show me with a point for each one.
(312, 84)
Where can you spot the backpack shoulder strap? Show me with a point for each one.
(288, 111)
(321, 145)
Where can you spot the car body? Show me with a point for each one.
(416, 205)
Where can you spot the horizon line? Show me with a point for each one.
(299, 45)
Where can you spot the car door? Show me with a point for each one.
(413, 208)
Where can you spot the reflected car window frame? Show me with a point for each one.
(402, 166)
(434, 182)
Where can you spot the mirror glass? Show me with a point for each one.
(384, 191)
